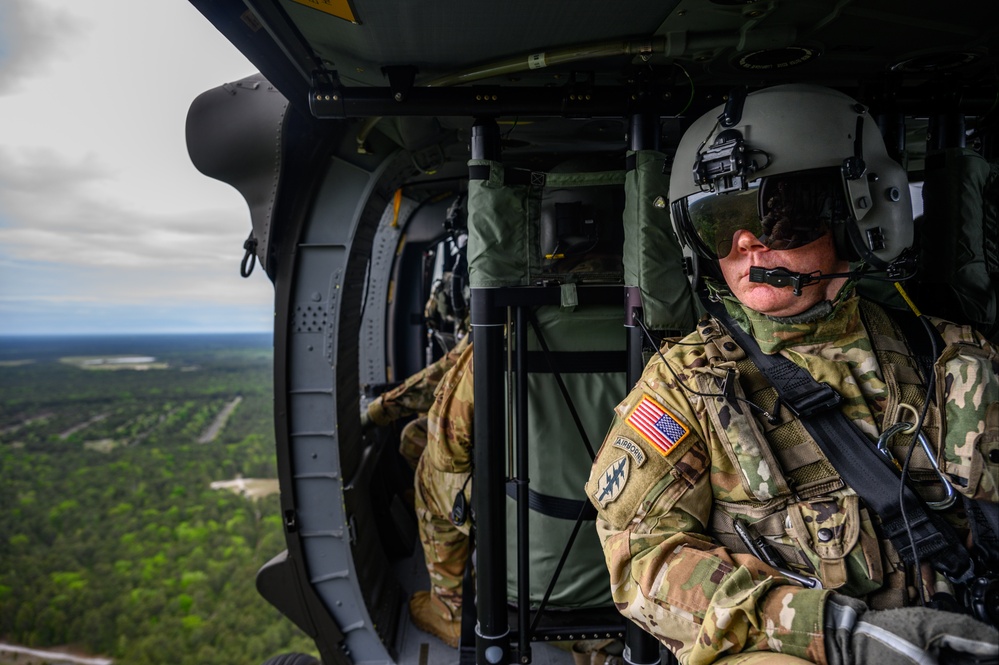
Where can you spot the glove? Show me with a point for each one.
(907, 636)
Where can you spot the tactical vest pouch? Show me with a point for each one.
(969, 390)
(831, 538)
(988, 448)
(740, 434)
(828, 531)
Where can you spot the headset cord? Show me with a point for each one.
(930, 381)
(728, 390)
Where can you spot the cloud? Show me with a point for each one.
(102, 214)
(70, 255)
(33, 37)
(51, 210)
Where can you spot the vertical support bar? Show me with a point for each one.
(947, 130)
(640, 648)
(492, 631)
(892, 126)
(947, 126)
(523, 483)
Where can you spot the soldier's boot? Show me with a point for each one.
(432, 616)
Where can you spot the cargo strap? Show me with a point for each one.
(555, 506)
(856, 460)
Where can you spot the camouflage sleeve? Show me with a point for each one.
(449, 421)
(416, 393)
(968, 386)
(651, 485)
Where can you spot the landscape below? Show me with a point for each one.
(138, 498)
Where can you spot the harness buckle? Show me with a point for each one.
(811, 400)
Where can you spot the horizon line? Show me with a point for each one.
(144, 332)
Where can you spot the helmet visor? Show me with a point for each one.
(782, 212)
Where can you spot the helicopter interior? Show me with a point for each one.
(370, 120)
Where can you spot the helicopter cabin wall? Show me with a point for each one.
(337, 497)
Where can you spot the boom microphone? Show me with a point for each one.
(782, 277)
(899, 270)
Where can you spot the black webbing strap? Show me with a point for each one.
(575, 362)
(983, 519)
(917, 338)
(510, 176)
(854, 457)
(555, 506)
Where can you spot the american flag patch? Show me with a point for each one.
(657, 425)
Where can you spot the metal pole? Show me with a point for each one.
(947, 130)
(523, 500)
(640, 648)
(947, 126)
(892, 126)
(488, 321)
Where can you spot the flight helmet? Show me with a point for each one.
(456, 227)
(790, 163)
(440, 311)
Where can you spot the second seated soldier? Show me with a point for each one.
(415, 395)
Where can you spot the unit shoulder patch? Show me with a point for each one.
(657, 425)
(631, 448)
(611, 482)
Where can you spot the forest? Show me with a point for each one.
(112, 541)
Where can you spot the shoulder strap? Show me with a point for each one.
(912, 528)
(917, 336)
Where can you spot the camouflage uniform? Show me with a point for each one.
(415, 395)
(443, 471)
(677, 469)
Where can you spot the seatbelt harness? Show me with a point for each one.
(856, 460)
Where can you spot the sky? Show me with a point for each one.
(105, 224)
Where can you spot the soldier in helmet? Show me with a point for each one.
(734, 529)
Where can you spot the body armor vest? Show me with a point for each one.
(803, 511)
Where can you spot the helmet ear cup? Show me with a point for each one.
(845, 235)
(856, 249)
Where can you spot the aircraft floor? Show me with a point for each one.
(416, 647)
